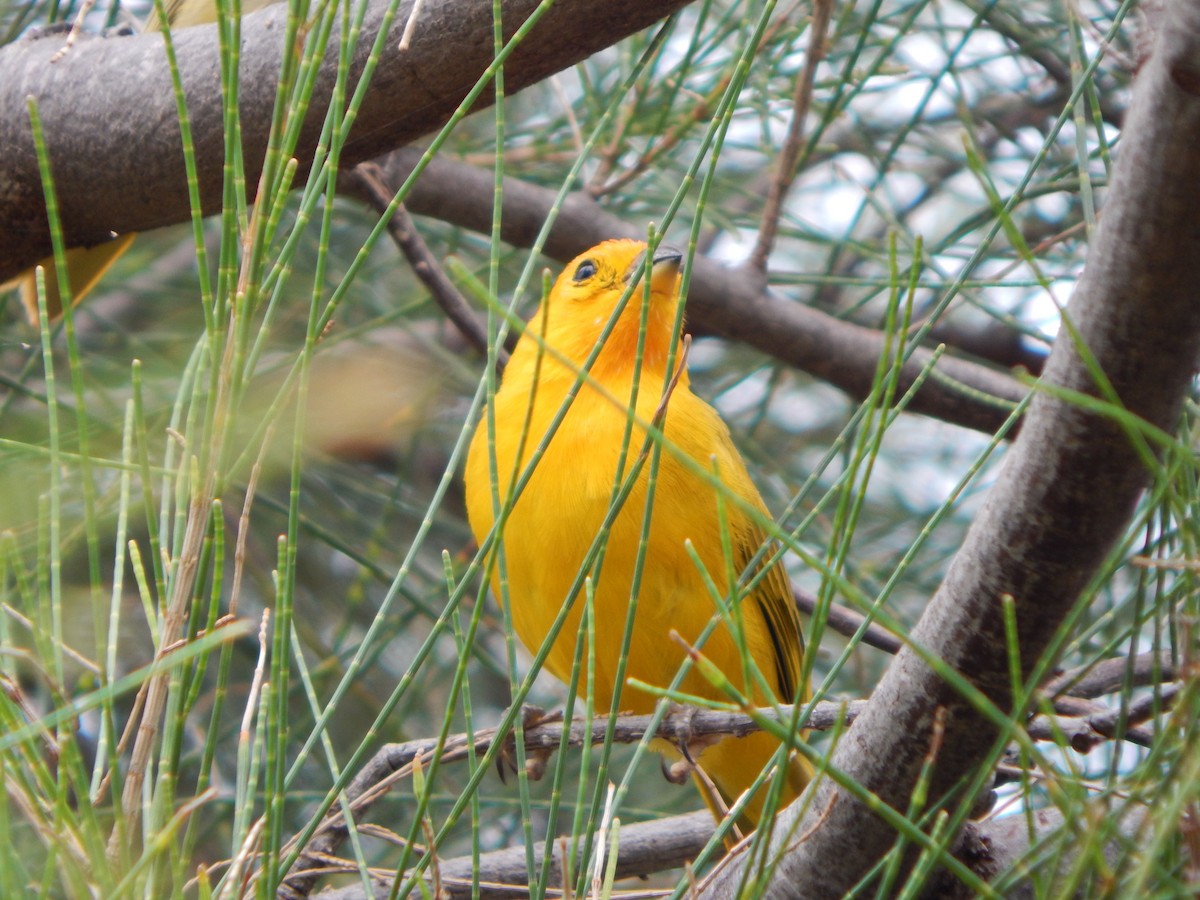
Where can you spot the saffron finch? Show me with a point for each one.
(557, 516)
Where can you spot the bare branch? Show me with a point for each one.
(996, 341)
(846, 621)
(645, 848)
(403, 230)
(1110, 675)
(108, 110)
(789, 154)
(1084, 733)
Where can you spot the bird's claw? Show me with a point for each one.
(689, 745)
(535, 758)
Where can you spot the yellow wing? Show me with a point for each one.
(773, 594)
(773, 591)
(733, 764)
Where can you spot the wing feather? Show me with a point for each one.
(773, 595)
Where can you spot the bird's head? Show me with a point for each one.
(587, 294)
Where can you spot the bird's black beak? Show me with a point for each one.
(663, 268)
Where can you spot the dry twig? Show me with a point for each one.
(789, 154)
(378, 192)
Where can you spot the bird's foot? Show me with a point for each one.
(535, 756)
(689, 745)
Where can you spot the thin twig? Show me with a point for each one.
(564, 101)
(699, 113)
(377, 191)
(685, 349)
(846, 621)
(606, 158)
(1108, 676)
(789, 155)
(76, 30)
(243, 525)
(410, 26)
(702, 111)
(152, 695)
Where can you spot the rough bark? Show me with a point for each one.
(113, 136)
(1064, 495)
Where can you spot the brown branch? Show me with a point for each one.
(1075, 731)
(645, 848)
(680, 726)
(1140, 710)
(846, 621)
(721, 301)
(108, 110)
(995, 341)
(378, 193)
(789, 154)
(1111, 675)
(606, 157)
(1064, 496)
(1042, 48)
(702, 109)
(1085, 732)
(995, 846)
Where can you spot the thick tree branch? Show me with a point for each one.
(1065, 493)
(113, 136)
(721, 301)
(995, 846)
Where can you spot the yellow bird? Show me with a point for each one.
(558, 514)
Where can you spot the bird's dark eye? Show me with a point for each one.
(584, 271)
